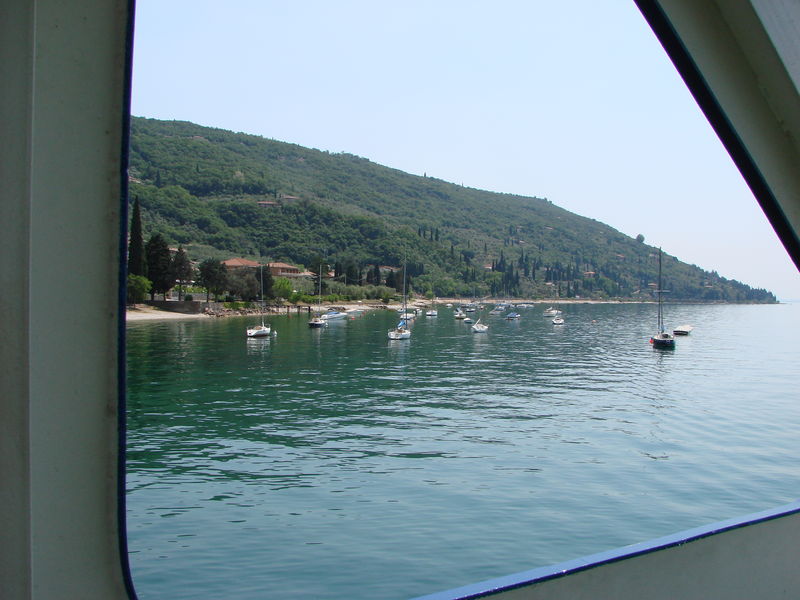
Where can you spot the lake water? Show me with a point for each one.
(335, 463)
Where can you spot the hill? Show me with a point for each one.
(224, 194)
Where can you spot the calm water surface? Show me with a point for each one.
(335, 463)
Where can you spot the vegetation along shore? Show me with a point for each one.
(227, 214)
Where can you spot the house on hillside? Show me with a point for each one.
(279, 269)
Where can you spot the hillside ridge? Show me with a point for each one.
(222, 194)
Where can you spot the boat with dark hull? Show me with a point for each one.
(661, 339)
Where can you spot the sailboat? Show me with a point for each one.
(479, 327)
(662, 339)
(262, 330)
(317, 320)
(401, 331)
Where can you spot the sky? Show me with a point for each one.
(575, 102)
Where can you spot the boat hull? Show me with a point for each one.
(333, 316)
(259, 332)
(663, 341)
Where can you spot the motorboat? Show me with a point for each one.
(512, 315)
(682, 330)
(317, 322)
(332, 315)
(558, 320)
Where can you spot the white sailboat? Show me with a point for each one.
(479, 327)
(262, 330)
(401, 331)
(317, 320)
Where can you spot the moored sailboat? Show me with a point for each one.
(479, 327)
(262, 330)
(661, 339)
(317, 320)
(402, 331)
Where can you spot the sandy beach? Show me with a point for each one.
(143, 312)
(147, 313)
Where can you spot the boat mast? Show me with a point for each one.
(660, 310)
(319, 293)
(262, 295)
(405, 269)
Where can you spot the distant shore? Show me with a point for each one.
(143, 312)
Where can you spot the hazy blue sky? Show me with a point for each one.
(572, 101)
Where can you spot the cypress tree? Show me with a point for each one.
(136, 264)
(266, 284)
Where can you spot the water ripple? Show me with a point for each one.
(324, 456)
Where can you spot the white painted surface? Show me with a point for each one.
(61, 109)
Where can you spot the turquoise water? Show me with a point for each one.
(335, 463)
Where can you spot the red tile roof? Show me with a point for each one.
(240, 262)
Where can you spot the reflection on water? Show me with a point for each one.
(334, 463)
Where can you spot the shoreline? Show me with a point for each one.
(145, 313)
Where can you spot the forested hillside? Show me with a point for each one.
(222, 194)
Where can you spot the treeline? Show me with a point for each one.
(153, 268)
(226, 194)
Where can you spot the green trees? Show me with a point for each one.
(243, 195)
(181, 270)
(136, 263)
(282, 287)
(243, 283)
(137, 288)
(320, 268)
(159, 265)
(266, 282)
(213, 276)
